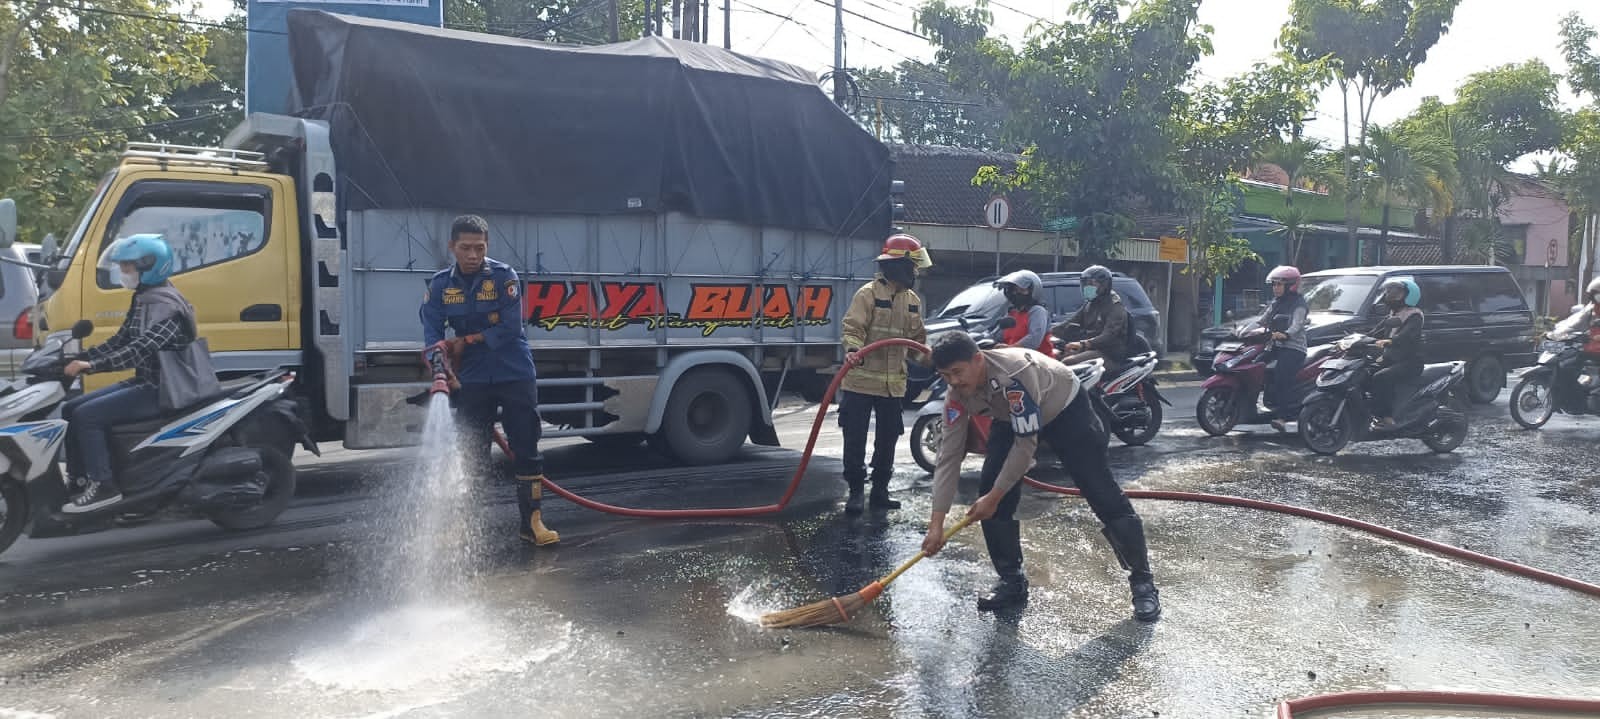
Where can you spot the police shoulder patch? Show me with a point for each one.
(1025, 419)
(952, 411)
(511, 289)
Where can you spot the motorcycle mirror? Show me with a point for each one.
(1007, 323)
(82, 329)
(8, 222)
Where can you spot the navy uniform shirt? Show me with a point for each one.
(487, 303)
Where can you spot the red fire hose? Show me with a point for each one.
(1287, 709)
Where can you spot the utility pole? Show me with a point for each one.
(727, 24)
(838, 52)
(611, 9)
(677, 19)
(691, 20)
(705, 21)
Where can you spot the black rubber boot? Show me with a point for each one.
(1004, 540)
(879, 499)
(1126, 535)
(856, 501)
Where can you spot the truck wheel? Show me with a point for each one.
(1485, 378)
(708, 416)
(280, 478)
(13, 512)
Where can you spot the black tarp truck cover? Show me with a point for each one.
(429, 118)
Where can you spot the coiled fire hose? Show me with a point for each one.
(1286, 709)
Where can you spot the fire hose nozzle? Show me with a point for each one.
(439, 366)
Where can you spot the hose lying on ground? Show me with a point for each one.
(1287, 709)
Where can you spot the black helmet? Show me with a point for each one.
(1096, 273)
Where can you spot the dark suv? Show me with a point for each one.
(1473, 314)
(981, 306)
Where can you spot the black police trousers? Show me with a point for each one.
(1080, 439)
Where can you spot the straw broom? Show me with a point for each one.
(839, 610)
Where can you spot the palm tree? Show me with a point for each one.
(1416, 166)
(1297, 159)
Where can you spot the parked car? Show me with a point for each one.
(1475, 314)
(19, 292)
(979, 309)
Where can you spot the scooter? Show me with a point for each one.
(1240, 371)
(1128, 401)
(1567, 377)
(1432, 408)
(225, 458)
(927, 431)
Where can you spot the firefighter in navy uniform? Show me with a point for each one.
(481, 300)
(1029, 398)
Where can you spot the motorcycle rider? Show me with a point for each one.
(1031, 328)
(885, 308)
(1290, 354)
(1030, 398)
(158, 318)
(1102, 319)
(1400, 337)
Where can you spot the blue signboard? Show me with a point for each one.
(267, 69)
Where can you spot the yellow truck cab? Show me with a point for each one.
(233, 231)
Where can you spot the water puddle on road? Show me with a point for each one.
(430, 628)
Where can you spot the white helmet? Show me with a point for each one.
(1023, 280)
(1592, 290)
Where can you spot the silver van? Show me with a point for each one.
(19, 292)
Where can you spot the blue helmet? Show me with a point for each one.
(149, 253)
(1413, 293)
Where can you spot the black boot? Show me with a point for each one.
(879, 499)
(1004, 540)
(1126, 535)
(854, 503)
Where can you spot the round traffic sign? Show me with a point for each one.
(997, 213)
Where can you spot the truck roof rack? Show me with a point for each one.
(190, 155)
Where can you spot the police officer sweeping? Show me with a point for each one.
(1029, 397)
(480, 299)
(884, 308)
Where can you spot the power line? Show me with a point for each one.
(876, 21)
(178, 19)
(115, 130)
(921, 100)
(786, 19)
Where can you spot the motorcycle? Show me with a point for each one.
(1432, 408)
(1239, 375)
(1128, 402)
(928, 429)
(1566, 379)
(225, 458)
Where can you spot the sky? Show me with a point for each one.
(1484, 34)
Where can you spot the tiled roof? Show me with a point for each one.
(939, 191)
(1412, 253)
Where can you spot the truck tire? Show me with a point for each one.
(1485, 378)
(708, 416)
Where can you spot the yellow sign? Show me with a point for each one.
(1174, 249)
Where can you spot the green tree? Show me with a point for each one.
(1372, 48)
(75, 84)
(579, 22)
(206, 110)
(1413, 166)
(915, 102)
(1096, 96)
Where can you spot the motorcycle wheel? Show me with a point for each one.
(1138, 437)
(1319, 430)
(1532, 402)
(1217, 411)
(1447, 440)
(925, 436)
(13, 512)
(280, 479)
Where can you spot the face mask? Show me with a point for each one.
(130, 280)
(1090, 292)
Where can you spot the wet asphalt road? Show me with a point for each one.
(639, 618)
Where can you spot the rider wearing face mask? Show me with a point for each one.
(158, 318)
(1102, 319)
(1400, 336)
(1031, 319)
